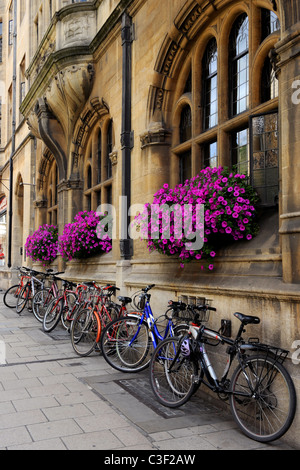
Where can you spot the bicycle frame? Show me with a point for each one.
(236, 348)
(147, 316)
(197, 333)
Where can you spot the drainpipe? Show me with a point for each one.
(126, 135)
(13, 138)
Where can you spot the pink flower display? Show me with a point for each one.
(84, 237)
(42, 245)
(229, 215)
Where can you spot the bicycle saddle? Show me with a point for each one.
(125, 300)
(247, 319)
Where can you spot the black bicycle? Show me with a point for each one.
(261, 392)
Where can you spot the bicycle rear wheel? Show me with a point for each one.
(108, 314)
(40, 302)
(10, 297)
(52, 315)
(172, 376)
(263, 398)
(125, 344)
(23, 298)
(85, 331)
(69, 310)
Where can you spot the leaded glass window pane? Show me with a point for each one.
(240, 151)
(210, 85)
(239, 65)
(265, 157)
(185, 124)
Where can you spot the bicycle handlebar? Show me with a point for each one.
(204, 307)
(146, 289)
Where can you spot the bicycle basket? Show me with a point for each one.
(193, 312)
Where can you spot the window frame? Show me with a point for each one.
(234, 60)
(251, 117)
(101, 169)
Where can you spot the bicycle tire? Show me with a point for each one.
(85, 332)
(125, 344)
(52, 315)
(23, 298)
(266, 414)
(69, 310)
(40, 302)
(173, 383)
(10, 297)
(180, 330)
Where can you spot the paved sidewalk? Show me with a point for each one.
(51, 399)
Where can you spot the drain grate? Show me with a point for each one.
(57, 335)
(139, 388)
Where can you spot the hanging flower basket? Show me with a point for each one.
(217, 205)
(85, 237)
(42, 245)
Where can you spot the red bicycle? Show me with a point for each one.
(43, 297)
(89, 321)
(61, 308)
(10, 297)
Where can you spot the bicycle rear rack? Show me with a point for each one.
(278, 354)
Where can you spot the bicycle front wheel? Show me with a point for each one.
(125, 344)
(85, 331)
(23, 298)
(172, 376)
(263, 399)
(52, 315)
(40, 302)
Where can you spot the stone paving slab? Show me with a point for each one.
(51, 399)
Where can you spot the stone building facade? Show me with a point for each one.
(105, 101)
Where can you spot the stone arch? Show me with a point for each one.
(43, 169)
(175, 49)
(258, 62)
(93, 112)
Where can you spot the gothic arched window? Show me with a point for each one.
(239, 65)
(210, 84)
(185, 124)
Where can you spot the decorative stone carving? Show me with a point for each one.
(78, 29)
(114, 158)
(155, 135)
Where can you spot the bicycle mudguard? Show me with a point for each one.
(135, 315)
(99, 327)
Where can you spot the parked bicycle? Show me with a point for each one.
(45, 295)
(10, 297)
(34, 283)
(126, 342)
(90, 320)
(261, 392)
(61, 308)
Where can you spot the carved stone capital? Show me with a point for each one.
(114, 158)
(40, 203)
(155, 135)
(70, 184)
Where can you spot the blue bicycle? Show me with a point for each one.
(126, 343)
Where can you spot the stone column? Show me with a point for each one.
(288, 63)
(155, 144)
